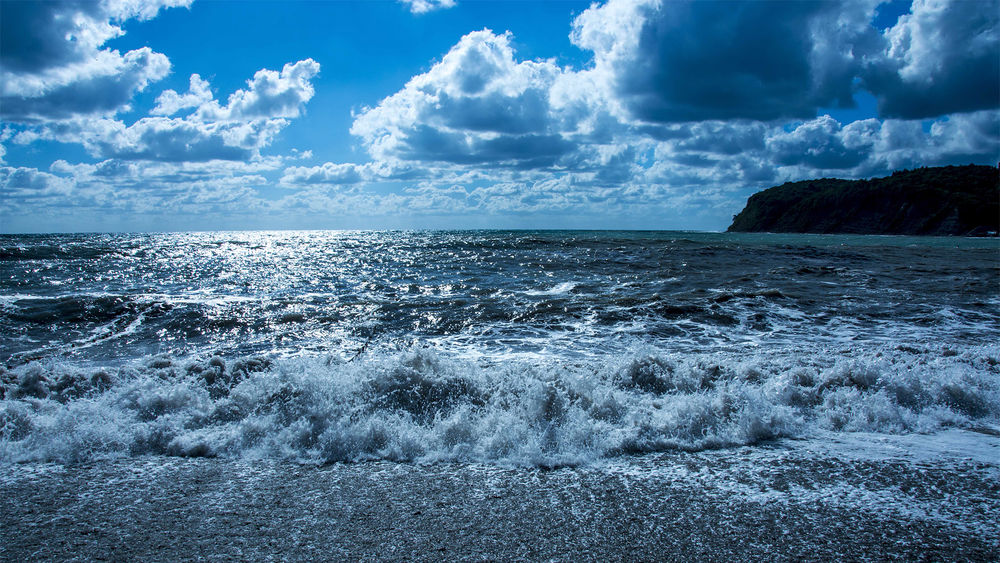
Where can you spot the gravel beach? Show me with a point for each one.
(874, 498)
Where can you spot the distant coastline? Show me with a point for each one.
(941, 201)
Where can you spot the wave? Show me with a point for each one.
(423, 405)
(63, 250)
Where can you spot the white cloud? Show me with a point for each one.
(479, 107)
(424, 6)
(327, 173)
(153, 173)
(5, 134)
(819, 144)
(130, 189)
(170, 102)
(968, 135)
(250, 121)
(269, 94)
(53, 66)
(872, 147)
(166, 139)
(26, 184)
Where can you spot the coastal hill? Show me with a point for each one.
(948, 200)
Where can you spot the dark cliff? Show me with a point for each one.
(949, 200)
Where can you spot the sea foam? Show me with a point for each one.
(425, 405)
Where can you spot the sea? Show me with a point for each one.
(507, 348)
(499, 395)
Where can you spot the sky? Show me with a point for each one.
(168, 115)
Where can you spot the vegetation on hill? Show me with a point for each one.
(948, 200)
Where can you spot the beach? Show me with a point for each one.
(933, 498)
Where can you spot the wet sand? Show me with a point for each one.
(787, 501)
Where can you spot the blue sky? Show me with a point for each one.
(203, 115)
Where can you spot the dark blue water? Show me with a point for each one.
(537, 347)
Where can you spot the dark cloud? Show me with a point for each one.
(696, 61)
(524, 151)
(527, 113)
(427, 143)
(37, 35)
(943, 57)
(695, 160)
(723, 138)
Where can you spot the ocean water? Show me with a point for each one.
(514, 348)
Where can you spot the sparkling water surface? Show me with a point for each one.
(110, 298)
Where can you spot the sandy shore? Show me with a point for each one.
(870, 499)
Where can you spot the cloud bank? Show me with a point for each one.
(709, 97)
(683, 109)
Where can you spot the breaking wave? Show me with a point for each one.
(424, 405)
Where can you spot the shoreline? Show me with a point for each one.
(864, 497)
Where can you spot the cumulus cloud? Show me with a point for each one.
(170, 102)
(943, 57)
(757, 155)
(968, 137)
(184, 140)
(238, 130)
(820, 144)
(269, 94)
(53, 66)
(5, 134)
(686, 105)
(709, 73)
(481, 107)
(424, 6)
(684, 109)
(694, 61)
(327, 173)
(91, 90)
(27, 184)
(476, 105)
(874, 147)
(956, 139)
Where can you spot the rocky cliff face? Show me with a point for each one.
(949, 200)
